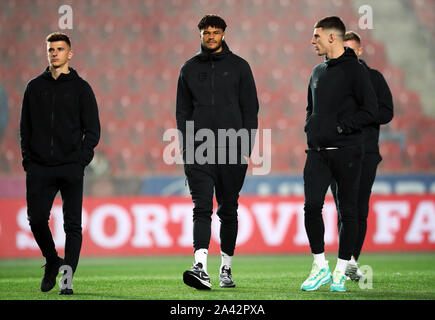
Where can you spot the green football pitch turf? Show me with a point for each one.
(276, 277)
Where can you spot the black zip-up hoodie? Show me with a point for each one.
(216, 91)
(341, 101)
(59, 120)
(386, 109)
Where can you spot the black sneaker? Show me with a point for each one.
(50, 274)
(66, 291)
(197, 277)
(225, 279)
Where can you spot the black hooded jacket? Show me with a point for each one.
(59, 120)
(341, 101)
(386, 109)
(216, 91)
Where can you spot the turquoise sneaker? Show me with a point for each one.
(338, 279)
(317, 278)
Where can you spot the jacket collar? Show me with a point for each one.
(63, 76)
(347, 55)
(203, 54)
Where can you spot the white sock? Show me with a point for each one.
(226, 260)
(341, 265)
(320, 259)
(201, 256)
(352, 259)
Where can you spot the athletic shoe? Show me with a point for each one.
(197, 277)
(50, 274)
(225, 279)
(338, 279)
(353, 272)
(66, 291)
(318, 277)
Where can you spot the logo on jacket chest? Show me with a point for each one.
(202, 76)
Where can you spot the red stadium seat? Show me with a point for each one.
(131, 53)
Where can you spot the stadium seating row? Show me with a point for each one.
(131, 52)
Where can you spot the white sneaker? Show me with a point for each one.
(317, 278)
(352, 271)
(338, 280)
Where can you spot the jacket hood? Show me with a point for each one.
(204, 54)
(63, 76)
(347, 55)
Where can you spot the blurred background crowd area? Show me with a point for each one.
(131, 53)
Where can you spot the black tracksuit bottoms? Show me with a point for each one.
(227, 180)
(42, 185)
(368, 174)
(321, 167)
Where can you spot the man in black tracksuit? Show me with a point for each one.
(341, 102)
(216, 90)
(59, 130)
(371, 157)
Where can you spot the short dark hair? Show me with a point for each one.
(58, 36)
(332, 22)
(351, 35)
(212, 20)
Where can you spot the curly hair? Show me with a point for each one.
(212, 20)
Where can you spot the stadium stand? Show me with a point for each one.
(425, 11)
(131, 52)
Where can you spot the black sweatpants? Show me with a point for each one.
(42, 185)
(344, 166)
(227, 180)
(368, 174)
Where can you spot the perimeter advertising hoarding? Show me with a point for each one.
(119, 226)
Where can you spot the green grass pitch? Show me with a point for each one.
(406, 276)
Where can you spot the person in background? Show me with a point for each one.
(371, 158)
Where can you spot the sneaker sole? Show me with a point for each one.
(47, 289)
(66, 291)
(325, 280)
(337, 289)
(224, 285)
(192, 280)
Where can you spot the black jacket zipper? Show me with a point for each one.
(212, 93)
(52, 124)
(212, 81)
